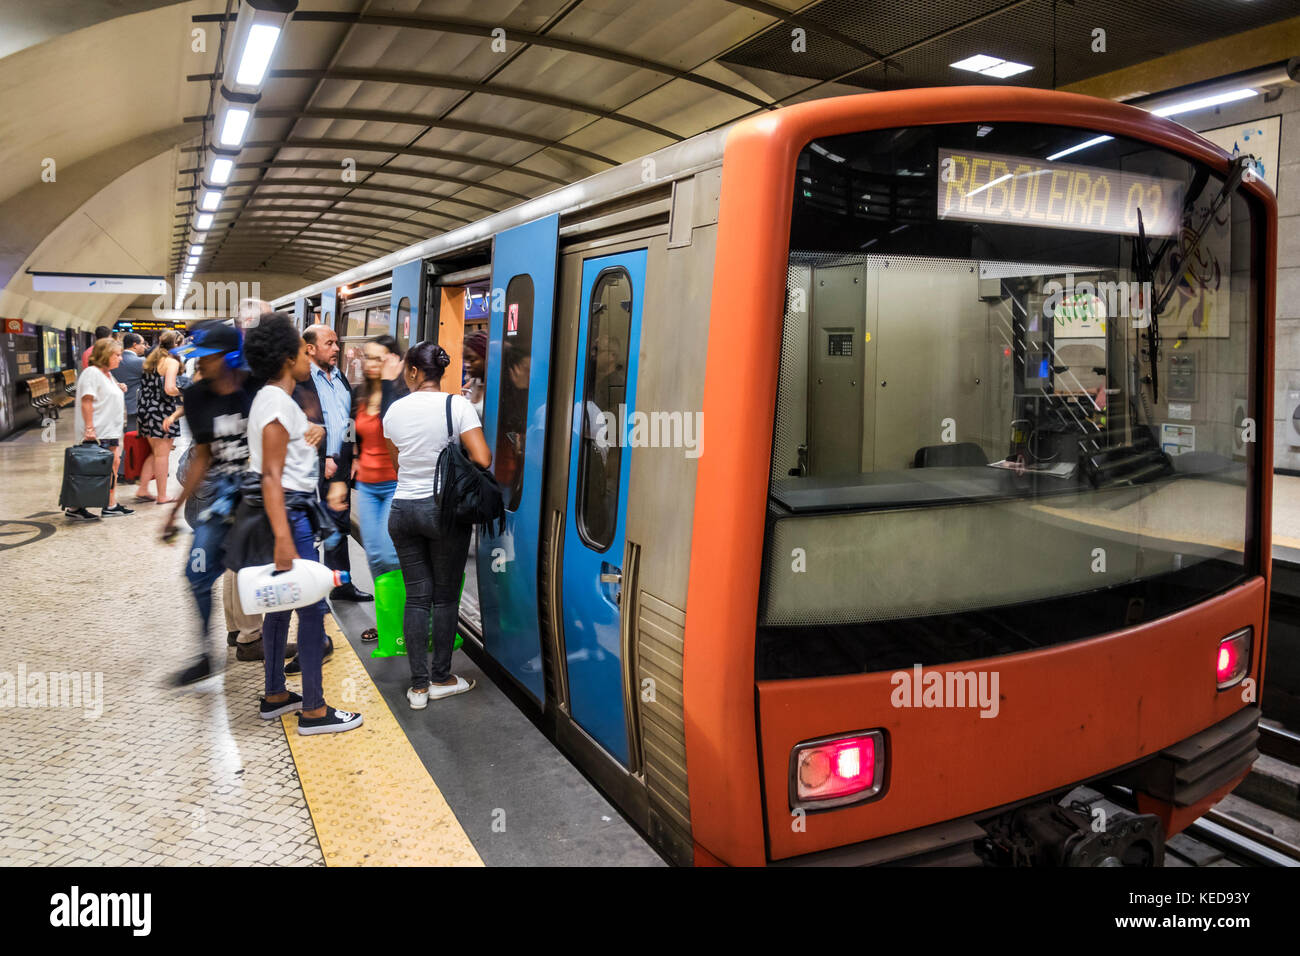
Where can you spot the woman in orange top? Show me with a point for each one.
(376, 478)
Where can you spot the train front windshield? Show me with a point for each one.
(1018, 396)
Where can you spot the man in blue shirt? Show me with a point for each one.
(327, 400)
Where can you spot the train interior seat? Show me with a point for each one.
(957, 454)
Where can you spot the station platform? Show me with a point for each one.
(116, 768)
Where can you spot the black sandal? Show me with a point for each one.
(369, 635)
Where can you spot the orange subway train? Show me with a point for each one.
(879, 470)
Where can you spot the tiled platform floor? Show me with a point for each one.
(159, 776)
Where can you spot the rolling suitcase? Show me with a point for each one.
(87, 476)
(135, 452)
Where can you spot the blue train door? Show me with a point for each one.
(514, 412)
(599, 464)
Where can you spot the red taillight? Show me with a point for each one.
(833, 771)
(1233, 661)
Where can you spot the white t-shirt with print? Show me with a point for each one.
(417, 425)
(109, 413)
(301, 464)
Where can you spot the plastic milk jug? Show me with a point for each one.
(262, 591)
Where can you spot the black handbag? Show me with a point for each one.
(87, 476)
(467, 493)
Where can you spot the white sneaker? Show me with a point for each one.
(438, 691)
(417, 699)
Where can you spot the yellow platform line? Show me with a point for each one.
(371, 799)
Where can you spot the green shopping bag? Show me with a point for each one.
(390, 604)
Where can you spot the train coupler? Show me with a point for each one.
(1050, 834)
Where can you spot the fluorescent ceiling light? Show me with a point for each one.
(211, 200)
(196, 248)
(977, 63)
(234, 125)
(993, 66)
(1074, 149)
(262, 38)
(1005, 69)
(1205, 102)
(252, 42)
(204, 222)
(192, 260)
(221, 170)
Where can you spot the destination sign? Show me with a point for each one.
(986, 187)
(148, 325)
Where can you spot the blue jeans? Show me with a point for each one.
(374, 502)
(206, 563)
(311, 630)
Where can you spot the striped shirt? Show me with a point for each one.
(336, 405)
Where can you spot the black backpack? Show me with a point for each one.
(467, 492)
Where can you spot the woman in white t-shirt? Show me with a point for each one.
(281, 449)
(433, 562)
(101, 416)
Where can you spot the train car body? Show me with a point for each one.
(856, 510)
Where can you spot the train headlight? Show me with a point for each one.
(835, 771)
(1234, 658)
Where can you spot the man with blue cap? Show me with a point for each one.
(217, 408)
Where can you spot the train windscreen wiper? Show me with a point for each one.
(1145, 262)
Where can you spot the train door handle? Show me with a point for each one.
(612, 576)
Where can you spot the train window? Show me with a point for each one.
(1004, 419)
(600, 456)
(512, 406)
(355, 322)
(402, 331)
(379, 322)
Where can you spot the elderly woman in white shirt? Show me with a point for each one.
(101, 415)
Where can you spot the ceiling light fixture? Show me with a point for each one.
(253, 40)
(993, 66)
(220, 167)
(1205, 102)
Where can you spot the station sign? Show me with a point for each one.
(106, 284)
(1019, 190)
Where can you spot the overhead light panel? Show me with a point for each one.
(256, 57)
(220, 166)
(1205, 102)
(992, 66)
(203, 221)
(232, 125)
(253, 40)
(977, 63)
(233, 117)
(211, 200)
(196, 248)
(1005, 69)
